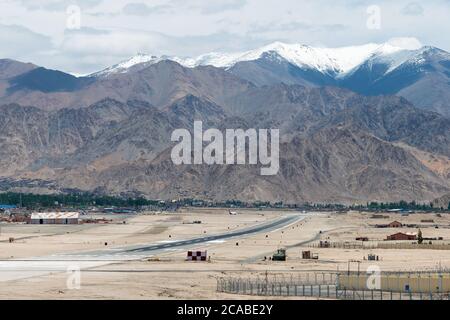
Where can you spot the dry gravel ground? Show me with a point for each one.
(169, 276)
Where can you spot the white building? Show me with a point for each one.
(55, 218)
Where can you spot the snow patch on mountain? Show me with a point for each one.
(124, 66)
(333, 61)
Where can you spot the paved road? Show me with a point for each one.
(38, 266)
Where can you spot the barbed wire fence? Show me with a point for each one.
(371, 245)
(317, 285)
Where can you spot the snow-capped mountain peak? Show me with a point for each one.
(394, 57)
(124, 66)
(332, 61)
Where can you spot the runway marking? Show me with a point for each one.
(216, 241)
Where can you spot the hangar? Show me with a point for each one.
(55, 218)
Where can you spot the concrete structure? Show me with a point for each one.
(395, 224)
(197, 255)
(308, 255)
(324, 244)
(54, 218)
(402, 236)
(379, 216)
(372, 257)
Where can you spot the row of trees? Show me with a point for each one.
(70, 200)
(81, 200)
(401, 205)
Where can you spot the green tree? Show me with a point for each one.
(419, 237)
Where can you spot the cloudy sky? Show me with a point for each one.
(82, 36)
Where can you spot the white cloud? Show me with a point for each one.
(116, 43)
(413, 9)
(142, 9)
(406, 43)
(57, 5)
(213, 7)
(114, 29)
(19, 42)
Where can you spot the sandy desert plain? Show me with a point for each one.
(167, 275)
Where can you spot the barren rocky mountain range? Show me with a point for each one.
(59, 133)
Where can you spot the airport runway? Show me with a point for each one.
(14, 269)
(152, 249)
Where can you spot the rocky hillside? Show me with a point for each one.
(336, 145)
